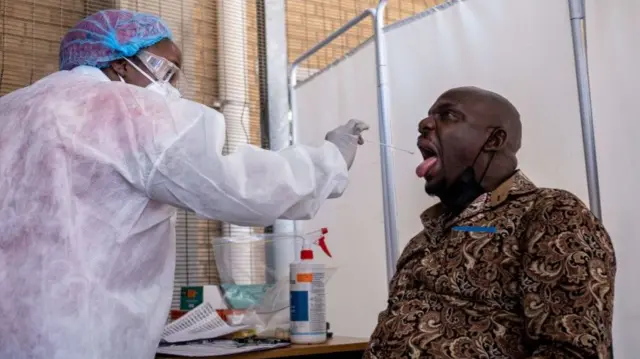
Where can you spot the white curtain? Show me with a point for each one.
(520, 49)
(613, 30)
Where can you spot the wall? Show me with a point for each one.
(613, 31)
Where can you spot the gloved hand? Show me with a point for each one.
(347, 138)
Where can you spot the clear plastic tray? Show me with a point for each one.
(254, 282)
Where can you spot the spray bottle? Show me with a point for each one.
(308, 302)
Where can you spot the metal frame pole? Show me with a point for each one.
(281, 253)
(388, 183)
(578, 33)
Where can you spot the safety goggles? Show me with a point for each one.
(163, 69)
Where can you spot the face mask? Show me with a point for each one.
(163, 88)
(465, 188)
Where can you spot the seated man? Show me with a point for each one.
(502, 269)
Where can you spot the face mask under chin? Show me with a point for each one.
(461, 192)
(458, 195)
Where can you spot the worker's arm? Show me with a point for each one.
(250, 186)
(567, 282)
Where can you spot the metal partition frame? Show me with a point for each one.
(388, 183)
(279, 255)
(579, 37)
(578, 34)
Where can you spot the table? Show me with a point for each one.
(337, 347)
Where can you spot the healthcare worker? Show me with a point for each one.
(94, 160)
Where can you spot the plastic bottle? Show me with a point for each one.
(308, 302)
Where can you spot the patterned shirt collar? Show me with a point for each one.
(518, 184)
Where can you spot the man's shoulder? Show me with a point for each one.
(557, 211)
(561, 223)
(555, 198)
(555, 192)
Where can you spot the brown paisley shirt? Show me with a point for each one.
(540, 286)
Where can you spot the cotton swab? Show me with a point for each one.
(394, 147)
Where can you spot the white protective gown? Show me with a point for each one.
(90, 169)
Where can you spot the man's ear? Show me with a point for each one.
(496, 141)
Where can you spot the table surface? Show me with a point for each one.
(334, 345)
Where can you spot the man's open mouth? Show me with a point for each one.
(430, 160)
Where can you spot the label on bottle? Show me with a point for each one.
(299, 306)
(308, 307)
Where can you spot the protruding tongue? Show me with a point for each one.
(426, 166)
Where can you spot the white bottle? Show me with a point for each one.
(308, 304)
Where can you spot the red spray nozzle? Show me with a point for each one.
(323, 245)
(307, 253)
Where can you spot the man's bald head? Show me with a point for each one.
(492, 109)
(469, 126)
